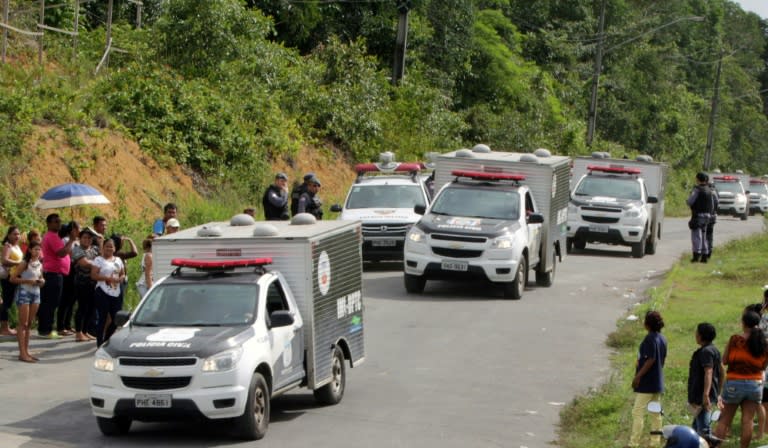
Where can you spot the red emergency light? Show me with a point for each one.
(757, 181)
(480, 175)
(614, 169)
(727, 178)
(219, 264)
(361, 168)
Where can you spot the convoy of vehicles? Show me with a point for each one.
(617, 201)
(731, 195)
(758, 196)
(242, 312)
(496, 216)
(382, 198)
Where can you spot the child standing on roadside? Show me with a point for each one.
(648, 382)
(704, 377)
(29, 276)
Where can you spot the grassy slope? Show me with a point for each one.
(717, 293)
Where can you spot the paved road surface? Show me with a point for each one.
(455, 367)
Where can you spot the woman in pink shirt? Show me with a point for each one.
(56, 265)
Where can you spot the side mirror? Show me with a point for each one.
(653, 200)
(536, 218)
(419, 209)
(281, 318)
(654, 407)
(122, 317)
(746, 192)
(336, 208)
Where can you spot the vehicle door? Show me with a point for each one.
(534, 230)
(286, 343)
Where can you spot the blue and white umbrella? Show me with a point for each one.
(68, 195)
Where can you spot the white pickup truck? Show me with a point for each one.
(242, 312)
(758, 196)
(618, 202)
(731, 195)
(497, 216)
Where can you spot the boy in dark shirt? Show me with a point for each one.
(704, 378)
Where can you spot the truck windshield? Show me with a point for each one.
(209, 304)
(385, 196)
(495, 203)
(612, 187)
(730, 187)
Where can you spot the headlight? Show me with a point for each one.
(741, 198)
(503, 242)
(221, 362)
(633, 212)
(103, 362)
(572, 209)
(416, 235)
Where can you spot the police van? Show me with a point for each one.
(243, 312)
(497, 216)
(382, 198)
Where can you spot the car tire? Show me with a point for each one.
(514, 289)
(546, 279)
(650, 244)
(115, 426)
(568, 245)
(744, 217)
(579, 243)
(253, 424)
(638, 249)
(414, 284)
(333, 392)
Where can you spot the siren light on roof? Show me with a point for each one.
(220, 264)
(614, 169)
(479, 175)
(396, 167)
(727, 178)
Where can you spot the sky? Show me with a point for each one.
(757, 6)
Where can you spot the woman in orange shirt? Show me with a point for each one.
(746, 356)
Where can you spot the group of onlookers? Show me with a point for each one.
(729, 382)
(72, 280)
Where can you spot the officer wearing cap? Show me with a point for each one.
(298, 190)
(701, 204)
(275, 199)
(309, 201)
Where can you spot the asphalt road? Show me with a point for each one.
(455, 367)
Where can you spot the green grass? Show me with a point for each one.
(715, 292)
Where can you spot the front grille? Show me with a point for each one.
(602, 209)
(155, 362)
(140, 382)
(394, 229)
(463, 239)
(456, 253)
(600, 219)
(723, 202)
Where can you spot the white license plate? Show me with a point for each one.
(455, 266)
(383, 243)
(598, 228)
(153, 400)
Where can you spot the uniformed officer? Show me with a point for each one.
(309, 201)
(297, 192)
(711, 224)
(700, 201)
(275, 199)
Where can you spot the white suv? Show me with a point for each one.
(383, 198)
(758, 196)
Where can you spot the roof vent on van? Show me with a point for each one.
(264, 229)
(529, 158)
(644, 158)
(597, 155)
(542, 152)
(464, 153)
(431, 160)
(482, 148)
(242, 219)
(207, 231)
(717, 171)
(303, 219)
(739, 171)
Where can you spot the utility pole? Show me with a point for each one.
(77, 26)
(596, 75)
(398, 66)
(5, 30)
(712, 116)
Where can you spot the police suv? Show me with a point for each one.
(731, 197)
(382, 198)
(231, 327)
(758, 196)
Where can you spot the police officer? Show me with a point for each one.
(700, 201)
(298, 190)
(309, 201)
(275, 199)
(711, 224)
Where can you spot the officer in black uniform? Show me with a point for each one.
(309, 201)
(701, 204)
(298, 190)
(711, 224)
(275, 199)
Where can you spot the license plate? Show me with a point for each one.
(598, 228)
(455, 266)
(153, 400)
(383, 243)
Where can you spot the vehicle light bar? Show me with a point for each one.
(614, 169)
(726, 178)
(361, 168)
(219, 264)
(757, 181)
(480, 175)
